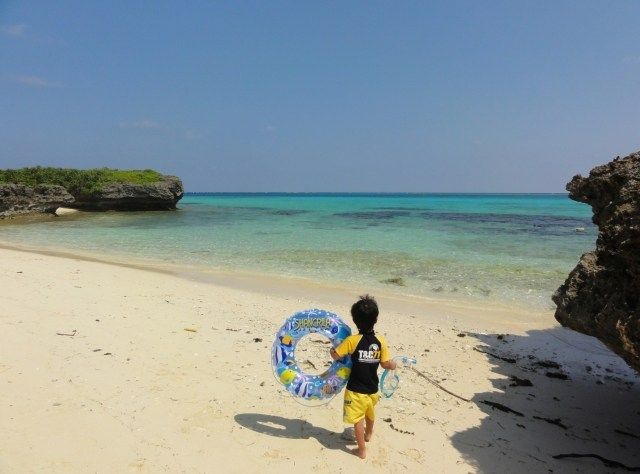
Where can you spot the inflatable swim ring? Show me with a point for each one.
(308, 387)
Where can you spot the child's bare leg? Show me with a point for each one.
(359, 429)
(368, 430)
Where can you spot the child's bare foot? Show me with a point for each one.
(368, 434)
(359, 430)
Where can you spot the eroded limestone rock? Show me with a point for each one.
(601, 295)
(20, 199)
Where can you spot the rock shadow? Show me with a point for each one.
(555, 392)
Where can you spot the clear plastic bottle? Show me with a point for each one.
(390, 380)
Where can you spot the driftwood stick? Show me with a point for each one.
(71, 334)
(433, 382)
(553, 421)
(510, 360)
(501, 407)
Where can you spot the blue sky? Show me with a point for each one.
(513, 96)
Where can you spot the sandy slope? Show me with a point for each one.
(133, 391)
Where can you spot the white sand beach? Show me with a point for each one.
(108, 368)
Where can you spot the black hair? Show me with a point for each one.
(365, 313)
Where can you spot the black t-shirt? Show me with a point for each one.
(367, 351)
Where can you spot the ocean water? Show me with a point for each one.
(513, 249)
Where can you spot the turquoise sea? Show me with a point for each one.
(510, 248)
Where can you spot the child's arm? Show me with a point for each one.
(386, 362)
(344, 348)
(334, 354)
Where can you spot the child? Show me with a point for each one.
(367, 351)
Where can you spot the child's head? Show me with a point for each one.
(365, 313)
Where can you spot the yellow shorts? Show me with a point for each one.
(359, 405)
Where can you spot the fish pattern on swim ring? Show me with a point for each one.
(299, 384)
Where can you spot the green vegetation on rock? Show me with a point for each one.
(77, 181)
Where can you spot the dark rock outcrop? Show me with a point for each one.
(162, 195)
(46, 198)
(601, 296)
(20, 199)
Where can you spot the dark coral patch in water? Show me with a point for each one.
(373, 215)
(288, 212)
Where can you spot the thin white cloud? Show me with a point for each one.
(22, 31)
(34, 81)
(17, 31)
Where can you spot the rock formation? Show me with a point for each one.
(601, 296)
(46, 198)
(21, 199)
(122, 196)
(162, 195)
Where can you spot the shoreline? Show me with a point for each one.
(302, 287)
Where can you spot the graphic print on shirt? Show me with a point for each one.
(370, 356)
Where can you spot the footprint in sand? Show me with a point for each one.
(202, 420)
(274, 454)
(413, 454)
(138, 466)
(381, 457)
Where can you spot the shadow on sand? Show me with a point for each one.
(567, 394)
(291, 428)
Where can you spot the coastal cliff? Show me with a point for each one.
(601, 296)
(43, 190)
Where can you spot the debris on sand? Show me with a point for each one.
(518, 382)
(398, 281)
(553, 421)
(548, 364)
(501, 407)
(557, 375)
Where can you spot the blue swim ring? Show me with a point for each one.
(315, 388)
